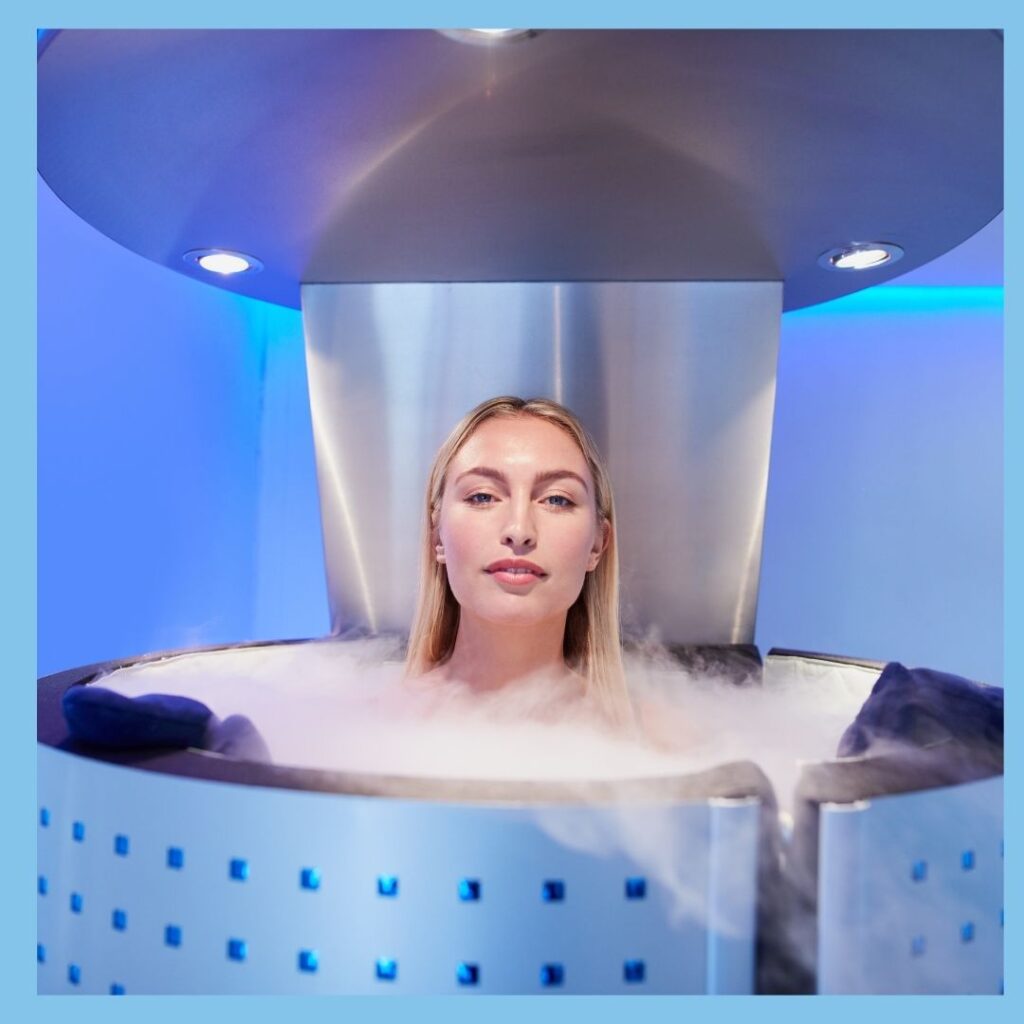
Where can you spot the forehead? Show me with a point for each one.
(508, 443)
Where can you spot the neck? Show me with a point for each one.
(489, 656)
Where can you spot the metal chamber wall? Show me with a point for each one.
(674, 380)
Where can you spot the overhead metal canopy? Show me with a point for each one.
(594, 155)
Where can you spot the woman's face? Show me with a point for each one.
(519, 488)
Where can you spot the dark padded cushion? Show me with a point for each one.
(107, 719)
(923, 708)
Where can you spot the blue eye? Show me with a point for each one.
(480, 494)
(569, 503)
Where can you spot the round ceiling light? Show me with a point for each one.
(223, 261)
(487, 36)
(860, 256)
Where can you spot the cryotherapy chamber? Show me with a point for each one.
(460, 217)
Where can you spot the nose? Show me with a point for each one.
(519, 529)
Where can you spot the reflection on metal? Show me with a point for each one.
(676, 382)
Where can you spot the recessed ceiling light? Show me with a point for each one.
(860, 256)
(223, 261)
(488, 36)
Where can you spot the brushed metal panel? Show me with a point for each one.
(676, 381)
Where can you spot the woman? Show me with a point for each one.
(519, 578)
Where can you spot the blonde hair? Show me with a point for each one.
(592, 645)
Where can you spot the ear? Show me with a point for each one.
(604, 535)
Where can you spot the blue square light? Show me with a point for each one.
(469, 889)
(40, 953)
(967, 860)
(553, 891)
(172, 935)
(552, 974)
(387, 969)
(78, 831)
(43, 885)
(633, 970)
(387, 885)
(239, 869)
(119, 919)
(468, 974)
(116, 990)
(74, 973)
(76, 903)
(121, 845)
(917, 945)
(919, 870)
(175, 857)
(44, 817)
(238, 949)
(636, 888)
(309, 960)
(309, 878)
(967, 932)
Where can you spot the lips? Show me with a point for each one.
(515, 567)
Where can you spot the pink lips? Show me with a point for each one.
(517, 572)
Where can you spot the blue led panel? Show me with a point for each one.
(387, 969)
(43, 885)
(121, 846)
(78, 831)
(967, 932)
(44, 817)
(172, 935)
(119, 920)
(76, 903)
(919, 870)
(967, 860)
(387, 885)
(40, 953)
(633, 970)
(237, 949)
(553, 891)
(552, 974)
(116, 990)
(239, 869)
(309, 878)
(309, 960)
(469, 889)
(175, 857)
(468, 974)
(636, 888)
(74, 973)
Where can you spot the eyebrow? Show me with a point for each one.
(496, 474)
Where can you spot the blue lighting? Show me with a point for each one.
(76, 903)
(172, 935)
(40, 953)
(175, 857)
(553, 891)
(121, 846)
(468, 974)
(967, 860)
(116, 990)
(78, 831)
(43, 885)
(967, 932)
(309, 960)
(917, 945)
(74, 973)
(633, 970)
(469, 889)
(44, 817)
(919, 872)
(239, 869)
(119, 919)
(636, 888)
(552, 974)
(387, 885)
(387, 969)
(237, 949)
(309, 878)
(908, 299)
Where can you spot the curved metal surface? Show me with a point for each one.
(597, 155)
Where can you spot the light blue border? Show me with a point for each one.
(17, 407)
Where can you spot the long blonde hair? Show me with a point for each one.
(592, 645)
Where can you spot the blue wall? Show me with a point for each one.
(177, 491)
